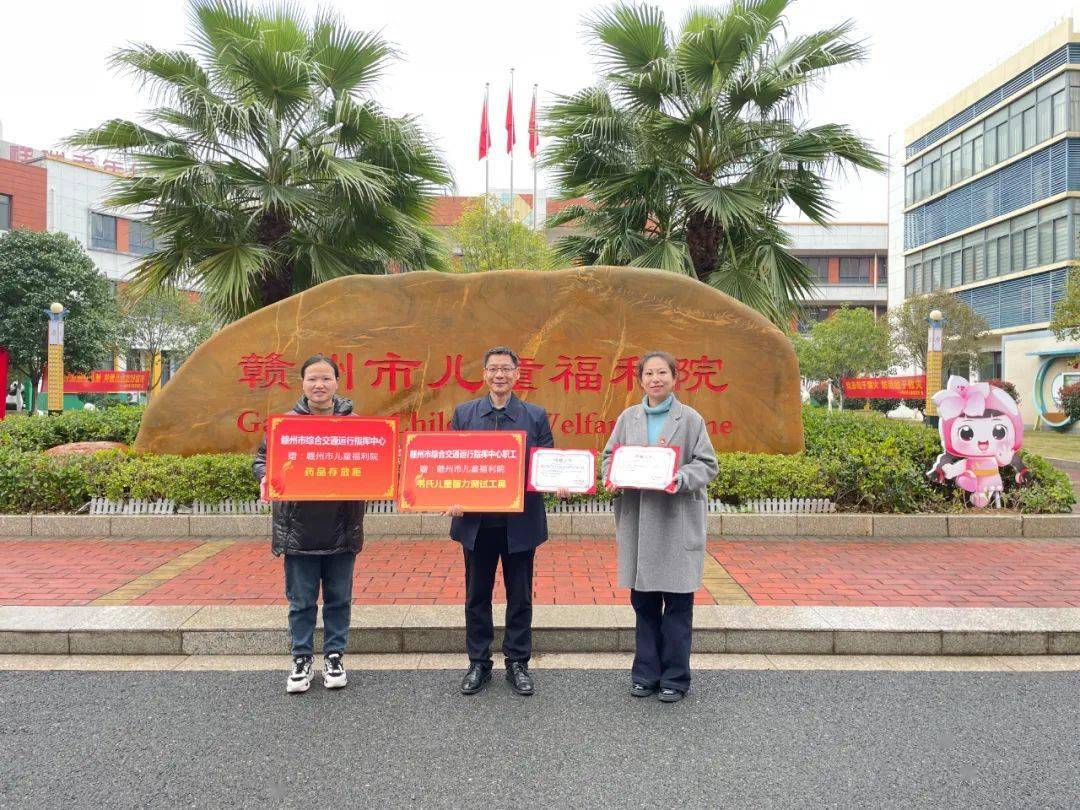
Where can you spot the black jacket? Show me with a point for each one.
(314, 527)
(527, 529)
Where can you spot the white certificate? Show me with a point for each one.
(643, 467)
(551, 469)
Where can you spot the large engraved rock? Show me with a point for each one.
(412, 345)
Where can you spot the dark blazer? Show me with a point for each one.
(527, 529)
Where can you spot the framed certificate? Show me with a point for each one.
(634, 467)
(330, 458)
(550, 469)
(479, 470)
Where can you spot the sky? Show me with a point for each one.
(921, 52)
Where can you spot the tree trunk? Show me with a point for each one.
(35, 382)
(703, 237)
(277, 282)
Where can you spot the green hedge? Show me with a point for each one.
(120, 424)
(32, 482)
(862, 461)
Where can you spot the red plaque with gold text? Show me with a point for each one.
(331, 458)
(480, 470)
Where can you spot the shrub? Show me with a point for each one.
(746, 476)
(884, 405)
(1050, 489)
(1070, 400)
(33, 482)
(860, 461)
(28, 433)
(819, 394)
(1007, 387)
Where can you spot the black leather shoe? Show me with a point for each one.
(518, 676)
(475, 679)
(641, 690)
(670, 695)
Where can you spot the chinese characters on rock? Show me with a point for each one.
(581, 375)
(577, 374)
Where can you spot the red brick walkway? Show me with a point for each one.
(965, 573)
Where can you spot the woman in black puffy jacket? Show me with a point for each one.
(320, 541)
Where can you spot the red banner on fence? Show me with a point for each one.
(913, 387)
(480, 470)
(102, 382)
(331, 458)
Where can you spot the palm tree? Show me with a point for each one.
(269, 167)
(692, 143)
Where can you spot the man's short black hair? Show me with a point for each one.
(319, 358)
(501, 350)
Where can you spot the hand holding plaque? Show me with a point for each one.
(634, 467)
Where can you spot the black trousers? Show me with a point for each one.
(480, 565)
(662, 654)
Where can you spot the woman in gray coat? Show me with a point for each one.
(661, 534)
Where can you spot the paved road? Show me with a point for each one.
(764, 739)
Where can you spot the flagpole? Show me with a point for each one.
(536, 199)
(511, 152)
(487, 155)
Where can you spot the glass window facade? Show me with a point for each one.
(1018, 302)
(1034, 239)
(5, 212)
(102, 232)
(819, 267)
(1036, 117)
(140, 238)
(858, 270)
(1045, 173)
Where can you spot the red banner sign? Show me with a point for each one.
(480, 470)
(885, 387)
(102, 382)
(330, 458)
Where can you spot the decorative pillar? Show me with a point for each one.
(56, 313)
(933, 365)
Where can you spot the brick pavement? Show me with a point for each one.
(774, 571)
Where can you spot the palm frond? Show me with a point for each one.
(629, 37)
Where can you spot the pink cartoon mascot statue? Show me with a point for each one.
(980, 431)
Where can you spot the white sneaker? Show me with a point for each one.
(300, 677)
(333, 673)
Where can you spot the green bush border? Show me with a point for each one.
(862, 461)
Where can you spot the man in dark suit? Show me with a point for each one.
(488, 537)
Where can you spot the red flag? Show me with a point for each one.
(485, 130)
(511, 136)
(534, 130)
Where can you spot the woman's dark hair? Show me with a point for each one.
(667, 358)
(319, 358)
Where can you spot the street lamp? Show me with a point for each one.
(933, 365)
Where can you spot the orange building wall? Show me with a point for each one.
(834, 269)
(26, 187)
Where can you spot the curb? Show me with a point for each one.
(234, 630)
(429, 525)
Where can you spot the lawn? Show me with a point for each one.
(1053, 444)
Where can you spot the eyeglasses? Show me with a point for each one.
(500, 369)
